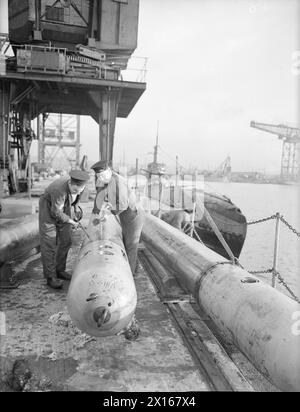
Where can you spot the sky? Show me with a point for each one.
(213, 66)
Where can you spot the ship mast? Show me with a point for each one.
(156, 146)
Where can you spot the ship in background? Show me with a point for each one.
(228, 217)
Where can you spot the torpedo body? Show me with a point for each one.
(102, 295)
(18, 236)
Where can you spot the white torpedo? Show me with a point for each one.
(102, 295)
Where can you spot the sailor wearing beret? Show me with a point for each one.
(55, 224)
(113, 190)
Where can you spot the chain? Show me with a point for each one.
(254, 272)
(280, 279)
(289, 226)
(252, 222)
(275, 272)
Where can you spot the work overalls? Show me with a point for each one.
(131, 218)
(55, 232)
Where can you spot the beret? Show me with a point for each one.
(79, 175)
(100, 165)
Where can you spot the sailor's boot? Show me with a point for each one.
(132, 331)
(55, 283)
(64, 275)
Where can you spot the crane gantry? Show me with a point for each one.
(290, 137)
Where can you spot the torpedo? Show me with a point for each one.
(102, 296)
(17, 238)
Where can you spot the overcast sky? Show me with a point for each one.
(214, 65)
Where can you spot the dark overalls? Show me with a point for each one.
(132, 224)
(55, 233)
(116, 192)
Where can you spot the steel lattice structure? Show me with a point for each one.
(59, 141)
(290, 137)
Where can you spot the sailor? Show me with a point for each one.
(176, 218)
(55, 224)
(112, 190)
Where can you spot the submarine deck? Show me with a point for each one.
(178, 349)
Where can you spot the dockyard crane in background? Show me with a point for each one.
(290, 137)
(224, 169)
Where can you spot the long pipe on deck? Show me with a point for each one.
(18, 236)
(257, 318)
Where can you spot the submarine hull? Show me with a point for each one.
(228, 217)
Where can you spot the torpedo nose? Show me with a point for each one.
(101, 315)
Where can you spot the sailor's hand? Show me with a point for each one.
(73, 223)
(107, 207)
(95, 211)
(78, 213)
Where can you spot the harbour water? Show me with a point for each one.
(262, 200)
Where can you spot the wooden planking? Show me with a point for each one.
(215, 350)
(214, 363)
(256, 379)
(215, 379)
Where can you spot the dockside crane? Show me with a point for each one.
(58, 58)
(290, 137)
(224, 169)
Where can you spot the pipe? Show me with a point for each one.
(102, 296)
(257, 318)
(12, 208)
(18, 236)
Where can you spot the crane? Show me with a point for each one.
(224, 168)
(290, 137)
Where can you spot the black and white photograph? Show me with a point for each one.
(149, 199)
